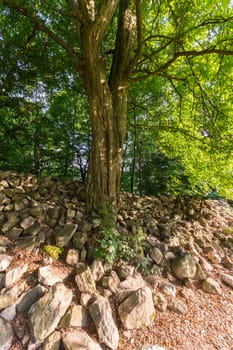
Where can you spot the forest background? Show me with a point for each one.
(174, 58)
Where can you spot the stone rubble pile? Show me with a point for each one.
(65, 302)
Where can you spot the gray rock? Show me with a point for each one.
(160, 301)
(49, 275)
(168, 289)
(9, 313)
(184, 266)
(26, 243)
(12, 220)
(138, 309)
(6, 335)
(156, 255)
(70, 214)
(129, 285)
(46, 313)
(227, 279)
(79, 340)
(84, 279)
(152, 280)
(5, 261)
(111, 281)
(28, 298)
(76, 316)
(52, 342)
(85, 298)
(9, 295)
(14, 275)
(79, 239)
(27, 222)
(125, 270)
(97, 270)
(178, 306)
(33, 230)
(14, 233)
(64, 236)
(209, 285)
(101, 313)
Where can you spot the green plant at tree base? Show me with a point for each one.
(53, 251)
(113, 245)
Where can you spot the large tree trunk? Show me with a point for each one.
(107, 91)
(108, 124)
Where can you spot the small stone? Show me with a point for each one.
(70, 213)
(111, 281)
(28, 298)
(209, 285)
(5, 261)
(72, 257)
(27, 222)
(187, 293)
(52, 342)
(160, 301)
(228, 262)
(97, 270)
(6, 335)
(49, 275)
(213, 257)
(77, 316)
(152, 280)
(227, 279)
(77, 339)
(65, 235)
(125, 270)
(156, 255)
(85, 298)
(178, 306)
(79, 239)
(9, 313)
(12, 276)
(14, 233)
(84, 279)
(26, 243)
(9, 295)
(168, 289)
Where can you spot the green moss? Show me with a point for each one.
(228, 231)
(53, 251)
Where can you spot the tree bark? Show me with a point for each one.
(107, 97)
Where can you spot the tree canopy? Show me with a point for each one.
(94, 89)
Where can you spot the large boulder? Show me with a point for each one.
(46, 313)
(184, 266)
(106, 328)
(138, 309)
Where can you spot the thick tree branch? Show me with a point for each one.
(191, 53)
(104, 18)
(124, 43)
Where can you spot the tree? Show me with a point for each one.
(114, 43)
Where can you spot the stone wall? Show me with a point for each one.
(182, 238)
